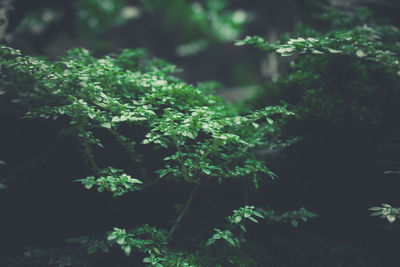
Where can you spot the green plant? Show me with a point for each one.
(345, 76)
(200, 23)
(126, 101)
(112, 180)
(386, 211)
(195, 24)
(236, 222)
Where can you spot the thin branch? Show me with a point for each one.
(183, 212)
(88, 152)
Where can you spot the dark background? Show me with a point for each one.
(333, 171)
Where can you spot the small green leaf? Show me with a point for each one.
(156, 250)
(121, 240)
(112, 236)
(106, 125)
(230, 241)
(391, 218)
(88, 185)
(238, 219)
(375, 208)
(135, 181)
(206, 171)
(253, 219)
(334, 51)
(127, 250)
(210, 241)
(216, 236)
(360, 53)
(317, 52)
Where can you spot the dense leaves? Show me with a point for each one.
(195, 134)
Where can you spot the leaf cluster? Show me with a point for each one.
(192, 134)
(386, 211)
(348, 75)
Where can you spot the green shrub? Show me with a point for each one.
(346, 77)
(170, 131)
(343, 75)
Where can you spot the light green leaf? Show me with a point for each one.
(127, 250)
(106, 125)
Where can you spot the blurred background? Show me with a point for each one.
(197, 36)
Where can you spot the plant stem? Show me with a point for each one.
(185, 209)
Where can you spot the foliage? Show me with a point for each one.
(200, 23)
(196, 24)
(362, 42)
(236, 222)
(345, 76)
(204, 136)
(360, 50)
(153, 243)
(82, 19)
(188, 134)
(95, 17)
(112, 180)
(386, 211)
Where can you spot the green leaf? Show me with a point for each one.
(156, 250)
(206, 171)
(360, 53)
(253, 219)
(210, 241)
(112, 236)
(375, 208)
(127, 250)
(106, 125)
(88, 185)
(121, 240)
(391, 218)
(238, 219)
(135, 181)
(230, 240)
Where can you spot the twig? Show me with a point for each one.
(185, 209)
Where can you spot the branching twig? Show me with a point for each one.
(185, 209)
